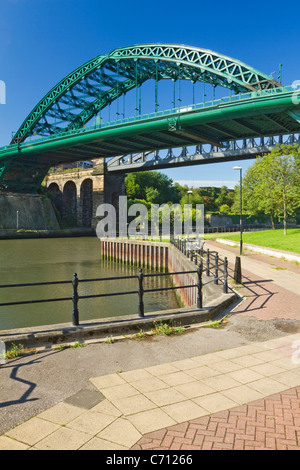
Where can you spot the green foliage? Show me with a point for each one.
(272, 184)
(152, 187)
(110, 340)
(225, 208)
(15, 351)
(166, 329)
(160, 329)
(62, 347)
(141, 334)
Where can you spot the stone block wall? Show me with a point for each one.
(26, 212)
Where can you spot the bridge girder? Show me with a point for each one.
(24, 165)
(245, 149)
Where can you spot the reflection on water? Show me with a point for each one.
(46, 260)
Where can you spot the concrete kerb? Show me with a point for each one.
(262, 250)
(46, 337)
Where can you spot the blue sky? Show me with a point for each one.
(41, 41)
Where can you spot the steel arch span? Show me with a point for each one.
(82, 94)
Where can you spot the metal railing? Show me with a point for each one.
(168, 112)
(205, 261)
(140, 291)
(208, 260)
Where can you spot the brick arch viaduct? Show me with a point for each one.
(77, 192)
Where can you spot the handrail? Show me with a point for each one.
(196, 254)
(76, 297)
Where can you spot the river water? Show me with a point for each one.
(46, 260)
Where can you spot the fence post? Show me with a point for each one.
(225, 284)
(207, 262)
(238, 270)
(199, 285)
(216, 268)
(141, 293)
(75, 298)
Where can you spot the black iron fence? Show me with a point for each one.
(140, 291)
(207, 261)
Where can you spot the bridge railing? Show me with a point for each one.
(171, 111)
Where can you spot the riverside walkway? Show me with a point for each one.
(243, 395)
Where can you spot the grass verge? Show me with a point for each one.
(266, 238)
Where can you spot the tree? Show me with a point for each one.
(225, 208)
(151, 186)
(286, 182)
(272, 184)
(152, 195)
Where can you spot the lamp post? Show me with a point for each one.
(189, 192)
(241, 207)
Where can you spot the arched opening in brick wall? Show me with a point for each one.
(70, 203)
(57, 197)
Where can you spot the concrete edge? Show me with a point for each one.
(262, 250)
(6, 234)
(48, 336)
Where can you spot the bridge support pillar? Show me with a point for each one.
(77, 193)
(78, 206)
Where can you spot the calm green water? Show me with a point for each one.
(45, 260)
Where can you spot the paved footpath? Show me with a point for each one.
(246, 397)
(271, 286)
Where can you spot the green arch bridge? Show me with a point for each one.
(67, 124)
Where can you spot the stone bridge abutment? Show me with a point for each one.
(77, 192)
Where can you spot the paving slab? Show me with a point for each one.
(139, 403)
(234, 388)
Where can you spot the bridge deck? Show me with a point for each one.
(259, 114)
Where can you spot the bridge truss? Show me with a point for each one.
(66, 125)
(199, 154)
(82, 94)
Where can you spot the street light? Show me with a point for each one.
(241, 207)
(189, 192)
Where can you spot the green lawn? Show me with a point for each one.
(268, 238)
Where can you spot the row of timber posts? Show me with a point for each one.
(129, 252)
